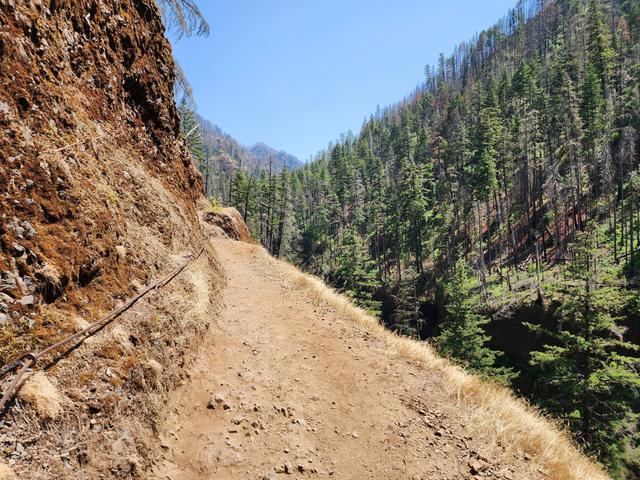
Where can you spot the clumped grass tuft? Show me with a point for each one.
(6, 473)
(39, 392)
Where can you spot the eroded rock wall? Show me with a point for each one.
(98, 198)
(95, 185)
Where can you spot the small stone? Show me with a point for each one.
(270, 476)
(4, 298)
(355, 435)
(301, 468)
(8, 283)
(27, 300)
(476, 466)
(121, 253)
(29, 231)
(4, 319)
(228, 457)
(18, 249)
(237, 420)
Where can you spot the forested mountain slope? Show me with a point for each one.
(219, 156)
(496, 210)
(281, 159)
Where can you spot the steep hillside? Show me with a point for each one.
(220, 157)
(97, 199)
(91, 158)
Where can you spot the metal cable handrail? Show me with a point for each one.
(27, 361)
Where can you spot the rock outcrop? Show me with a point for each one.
(228, 223)
(91, 161)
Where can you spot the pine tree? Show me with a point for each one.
(414, 210)
(460, 334)
(586, 369)
(189, 130)
(599, 51)
(355, 271)
(407, 318)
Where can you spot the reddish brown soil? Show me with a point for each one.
(89, 132)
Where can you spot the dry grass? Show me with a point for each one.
(194, 298)
(490, 410)
(42, 395)
(6, 473)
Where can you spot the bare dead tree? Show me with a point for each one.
(183, 17)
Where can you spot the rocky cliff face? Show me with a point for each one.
(97, 199)
(91, 167)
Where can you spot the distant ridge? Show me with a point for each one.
(281, 158)
(231, 154)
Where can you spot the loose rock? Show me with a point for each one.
(27, 300)
(29, 231)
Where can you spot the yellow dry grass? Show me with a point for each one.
(491, 410)
(42, 395)
(194, 301)
(6, 473)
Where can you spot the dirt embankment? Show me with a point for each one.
(97, 199)
(93, 176)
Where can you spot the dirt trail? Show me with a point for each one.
(300, 392)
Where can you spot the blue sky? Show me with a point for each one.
(294, 74)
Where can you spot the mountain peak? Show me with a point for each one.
(280, 158)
